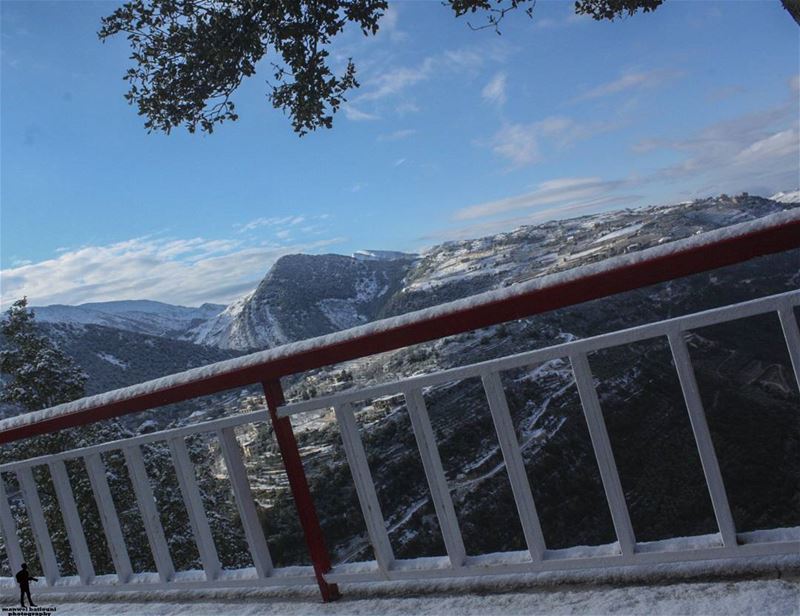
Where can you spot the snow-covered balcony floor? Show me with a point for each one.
(764, 587)
(763, 597)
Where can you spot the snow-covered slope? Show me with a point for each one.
(461, 268)
(787, 197)
(140, 316)
(304, 296)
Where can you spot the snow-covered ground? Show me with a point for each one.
(759, 597)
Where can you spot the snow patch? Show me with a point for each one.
(342, 313)
(619, 233)
(112, 360)
(787, 197)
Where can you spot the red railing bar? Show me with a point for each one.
(306, 512)
(662, 268)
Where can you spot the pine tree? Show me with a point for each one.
(36, 375)
(41, 375)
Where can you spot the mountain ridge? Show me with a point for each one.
(303, 296)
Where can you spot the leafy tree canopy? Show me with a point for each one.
(189, 56)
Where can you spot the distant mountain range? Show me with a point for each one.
(140, 316)
(303, 296)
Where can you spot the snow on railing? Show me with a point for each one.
(727, 543)
(700, 253)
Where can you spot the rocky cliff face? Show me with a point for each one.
(304, 296)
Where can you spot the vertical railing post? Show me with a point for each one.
(193, 501)
(792, 334)
(41, 534)
(702, 436)
(9, 528)
(598, 434)
(151, 519)
(434, 473)
(251, 525)
(515, 465)
(109, 517)
(282, 427)
(72, 521)
(365, 487)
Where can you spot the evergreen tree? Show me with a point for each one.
(36, 375)
(41, 375)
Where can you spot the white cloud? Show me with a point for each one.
(388, 25)
(406, 107)
(756, 152)
(495, 91)
(398, 135)
(382, 81)
(517, 143)
(396, 80)
(272, 221)
(181, 271)
(565, 191)
(356, 115)
(464, 59)
(571, 208)
(398, 162)
(776, 146)
(631, 80)
(521, 144)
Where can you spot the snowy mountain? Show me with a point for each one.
(310, 295)
(787, 197)
(141, 316)
(114, 357)
(382, 255)
(304, 296)
(747, 389)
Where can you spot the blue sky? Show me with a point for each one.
(454, 133)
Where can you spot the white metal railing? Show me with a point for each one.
(261, 573)
(626, 550)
